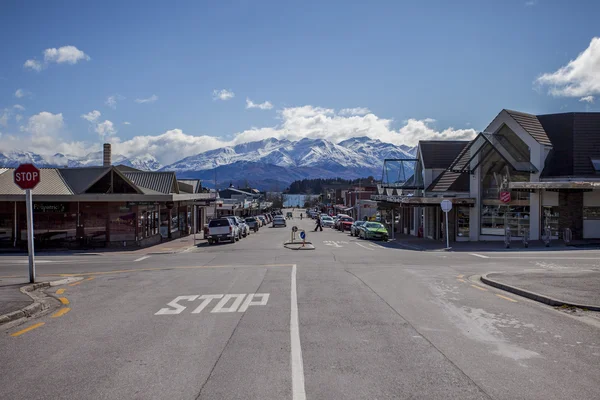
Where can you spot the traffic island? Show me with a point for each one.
(558, 289)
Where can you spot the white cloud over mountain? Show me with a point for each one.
(150, 99)
(223, 94)
(579, 78)
(295, 123)
(263, 106)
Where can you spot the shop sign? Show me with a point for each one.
(505, 197)
(142, 203)
(50, 207)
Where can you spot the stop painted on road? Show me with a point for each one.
(228, 303)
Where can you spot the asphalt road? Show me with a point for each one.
(350, 320)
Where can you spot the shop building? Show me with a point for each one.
(108, 206)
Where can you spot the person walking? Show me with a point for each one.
(300, 216)
(319, 226)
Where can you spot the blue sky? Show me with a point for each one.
(422, 69)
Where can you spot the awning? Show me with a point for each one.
(424, 201)
(555, 185)
(485, 143)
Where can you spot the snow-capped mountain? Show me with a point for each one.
(361, 152)
(13, 158)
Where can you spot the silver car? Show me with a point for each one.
(244, 227)
(279, 221)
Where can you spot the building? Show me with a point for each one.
(103, 206)
(532, 176)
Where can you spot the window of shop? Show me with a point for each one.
(7, 216)
(54, 224)
(147, 220)
(122, 220)
(462, 222)
(93, 220)
(550, 220)
(591, 213)
(182, 219)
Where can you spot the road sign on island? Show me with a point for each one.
(27, 176)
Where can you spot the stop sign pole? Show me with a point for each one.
(27, 176)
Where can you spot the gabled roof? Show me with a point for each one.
(449, 181)
(153, 182)
(185, 187)
(195, 183)
(531, 124)
(51, 183)
(80, 179)
(439, 154)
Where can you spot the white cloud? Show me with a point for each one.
(4, 117)
(150, 99)
(19, 107)
(20, 93)
(105, 129)
(92, 116)
(587, 99)
(111, 101)
(65, 54)
(126, 123)
(34, 65)
(18, 117)
(263, 106)
(579, 78)
(223, 94)
(354, 111)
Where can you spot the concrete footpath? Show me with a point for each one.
(578, 289)
(11, 297)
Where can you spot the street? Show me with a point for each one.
(352, 319)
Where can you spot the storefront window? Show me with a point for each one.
(591, 213)
(7, 223)
(93, 219)
(462, 222)
(54, 224)
(122, 220)
(550, 220)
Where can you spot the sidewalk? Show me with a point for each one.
(409, 242)
(579, 289)
(11, 298)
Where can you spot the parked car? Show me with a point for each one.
(337, 218)
(244, 228)
(374, 230)
(234, 219)
(279, 221)
(344, 223)
(355, 228)
(263, 220)
(327, 221)
(253, 223)
(222, 229)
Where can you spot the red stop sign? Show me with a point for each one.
(27, 176)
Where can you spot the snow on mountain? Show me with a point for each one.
(15, 157)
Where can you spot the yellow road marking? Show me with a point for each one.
(480, 288)
(507, 298)
(460, 276)
(89, 279)
(461, 280)
(61, 312)
(60, 291)
(75, 283)
(64, 300)
(32, 327)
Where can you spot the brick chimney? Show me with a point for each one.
(107, 158)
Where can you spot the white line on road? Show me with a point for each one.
(141, 258)
(377, 246)
(298, 391)
(478, 255)
(365, 247)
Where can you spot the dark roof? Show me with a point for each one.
(439, 154)
(532, 125)
(80, 179)
(575, 139)
(153, 182)
(126, 168)
(449, 181)
(51, 183)
(195, 183)
(185, 187)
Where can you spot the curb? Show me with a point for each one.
(40, 300)
(535, 296)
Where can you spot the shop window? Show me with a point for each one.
(122, 222)
(94, 222)
(550, 220)
(462, 222)
(596, 165)
(591, 213)
(6, 228)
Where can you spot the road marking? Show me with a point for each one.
(64, 300)
(141, 258)
(220, 307)
(507, 298)
(478, 255)
(264, 298)
(61, 312)
(365, 247)
(331, 243)
(60, 291)
(461, 280)
(377, 246)
(479, 287)
(460, 276)
(22, 331)
(298, 391)
(176, 308)
(75, 283)
(207, 299)
(89, 279)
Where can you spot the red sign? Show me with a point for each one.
(27, 176)
(505, 197)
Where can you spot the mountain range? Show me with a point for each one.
(268, 164)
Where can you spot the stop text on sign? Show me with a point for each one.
(26, 176)
(227, 303)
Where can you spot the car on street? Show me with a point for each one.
(253, 223)
(337, 218)
(355, 228)
(263, 220)
(373, 231)
(244, 228)
(222, 229)
(327, 221)
(235, 221)
(279, 221)
(345, 223)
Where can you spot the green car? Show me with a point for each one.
(373, 230)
